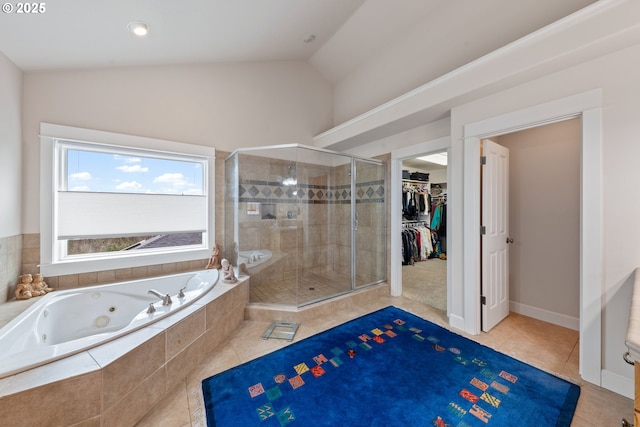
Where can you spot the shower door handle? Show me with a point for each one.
(355, 223)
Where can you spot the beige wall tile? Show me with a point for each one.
(67, 402)
(87, 279)
(107, 276)
(69, 281)
(185, 332)
(128, 372)
(184, 362)
(133, 406)
(123, 274)
(154, 270)
(92, 422)
(31, 241)
(169, 268)
(140, 272)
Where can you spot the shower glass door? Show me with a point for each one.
(369, 223)
(324, 221)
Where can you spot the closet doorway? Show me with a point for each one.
(544, 222)
(424, 229)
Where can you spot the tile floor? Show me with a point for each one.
(549, 347)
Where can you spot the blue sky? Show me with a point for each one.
(106, 172)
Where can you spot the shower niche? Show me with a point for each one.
(306, 224)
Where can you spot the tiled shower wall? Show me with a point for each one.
(312, 224)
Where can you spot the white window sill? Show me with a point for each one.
(129, 261)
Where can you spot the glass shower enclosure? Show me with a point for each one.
(306, 224)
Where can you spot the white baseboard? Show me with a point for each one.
(545, 315)
(617, 383)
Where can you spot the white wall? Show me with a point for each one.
(226, 106)
(449, 35)
(616, 74)
(10, 148)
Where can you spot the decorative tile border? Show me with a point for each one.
(274, 192)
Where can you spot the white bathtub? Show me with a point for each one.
(254, 258)
(63, 323)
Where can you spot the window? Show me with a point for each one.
(120, 201)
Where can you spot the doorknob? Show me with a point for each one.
(509, 240)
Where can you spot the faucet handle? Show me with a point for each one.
(181, 292)
(151, 309)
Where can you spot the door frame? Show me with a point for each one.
(587, 106)
(433, 146)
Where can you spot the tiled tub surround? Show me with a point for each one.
(63, 323)
(117, 383)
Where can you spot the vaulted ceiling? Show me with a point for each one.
(68, 34)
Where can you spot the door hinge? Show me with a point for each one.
(483, 229)
(483, 300)
(483, 160)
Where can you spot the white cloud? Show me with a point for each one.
(80, 188)
(83, 176)
(174, 179)
(134, 168)
(130, 185)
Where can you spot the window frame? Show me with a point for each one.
(52, 263)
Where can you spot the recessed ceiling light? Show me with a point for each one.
(440, 158)
(138, 28)
(309, 38)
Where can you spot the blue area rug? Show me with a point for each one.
(388, 368)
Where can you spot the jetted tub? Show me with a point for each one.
(63, 323)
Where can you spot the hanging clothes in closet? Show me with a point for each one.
(416, 201)
(417, 243)
(439, 222)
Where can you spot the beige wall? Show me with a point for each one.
(544, 217)
(10, 176)
(226, 106)
(11, 79)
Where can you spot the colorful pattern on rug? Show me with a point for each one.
(388, 368)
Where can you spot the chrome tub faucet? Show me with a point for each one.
(166, 298)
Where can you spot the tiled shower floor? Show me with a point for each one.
(310, 287)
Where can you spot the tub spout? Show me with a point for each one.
(166, 298)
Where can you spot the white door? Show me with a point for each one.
(495, 237)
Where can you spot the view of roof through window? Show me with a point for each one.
(95, 171)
